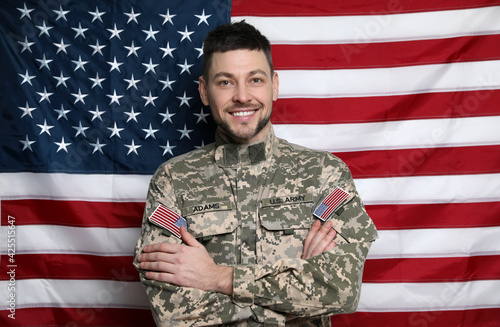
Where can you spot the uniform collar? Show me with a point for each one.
(230, 154)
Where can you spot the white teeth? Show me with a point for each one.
(242, 113)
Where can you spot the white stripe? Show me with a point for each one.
(72, 240)
(405, 134)
(396, 190)
(32, 293)
(59, 186)
(434, 243)
(335, 83)
(399, 297)
(430, 189)
(377, 28)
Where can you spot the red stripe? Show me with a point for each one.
(340, 8)
(70, 317)
(71, 266)
(458, 318)
(386, 108)
(386, 54)
(423, 161)
(432, 270)
(446, 215)
(73, 213)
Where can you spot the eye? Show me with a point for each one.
(256, 80)
(225, 83)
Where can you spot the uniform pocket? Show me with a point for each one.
(214, 225)
(285, 227)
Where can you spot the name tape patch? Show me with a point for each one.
(166, 218)
(330, 203)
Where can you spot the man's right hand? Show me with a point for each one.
(319, 239)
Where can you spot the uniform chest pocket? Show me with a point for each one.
(214, 225)
(285, 227)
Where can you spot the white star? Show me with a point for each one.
(115, 65)
(26, 45)
(60, 13)
(168, 51)
(45, 128)
(150, 132)
(44, 95)
(44, 62)
(115, 131)
(79, 96)
(203, 18)
(200, 50)
(44, 29)
(97, 113)
(27, 78)
(168, 17)
(150, 34)
(97, 48)
(97, 15)
(166, 116)
(150, 99)
(150, 66)
(132, 16)
(62, 145)
(202, 116)
(61, 79)
(27, 110)
(97, 81)
(79, 30)
(132, 82)
(132, 49)
(200, 146)
(27, 143)
(62, 113)
(80, 129)
(185, 67)
(167, 83)
(132, 115)
(25, 11)
(186, 34)
(97, 146)
(61, 46)
(167, 148)
(115, 32)
(79, 63)
(184, 100)
(185, 132)
(132, 148)
(114, 97)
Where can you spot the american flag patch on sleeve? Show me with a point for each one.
(166, 218)
(330, 203)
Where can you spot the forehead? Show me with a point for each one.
(239, 62)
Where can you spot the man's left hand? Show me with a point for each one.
(187, 265)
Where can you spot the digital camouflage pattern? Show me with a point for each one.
(251, 206)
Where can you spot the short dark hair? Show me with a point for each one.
(234, 36)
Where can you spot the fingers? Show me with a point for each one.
(188, 238)
(319, 239)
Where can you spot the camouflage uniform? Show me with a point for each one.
(251, 207)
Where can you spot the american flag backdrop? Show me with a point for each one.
(94, 95)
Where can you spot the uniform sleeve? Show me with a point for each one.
(172, 305)
(328, 283)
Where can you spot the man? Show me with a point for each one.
(256, 251)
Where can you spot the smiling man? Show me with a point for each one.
(250, 230)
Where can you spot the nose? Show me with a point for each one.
(242, 94)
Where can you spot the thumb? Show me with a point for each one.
(188, 238)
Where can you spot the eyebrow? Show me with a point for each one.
(251, 73)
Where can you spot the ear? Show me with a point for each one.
(276, 86)
(202, 88)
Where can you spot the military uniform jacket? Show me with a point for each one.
(252, 206)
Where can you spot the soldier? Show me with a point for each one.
(250, 230)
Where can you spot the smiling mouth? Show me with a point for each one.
(242, 113)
